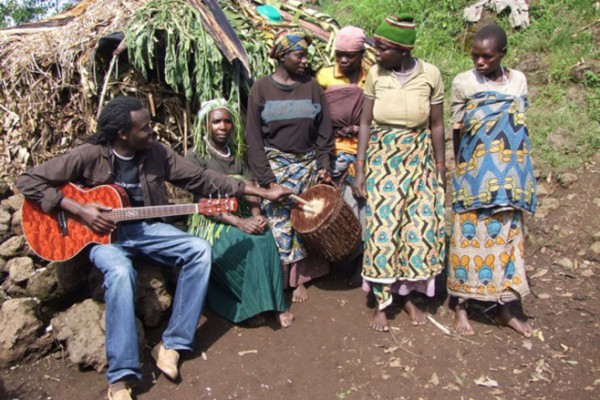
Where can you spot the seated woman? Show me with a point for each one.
(246, 279)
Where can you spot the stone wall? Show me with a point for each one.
(46, 306)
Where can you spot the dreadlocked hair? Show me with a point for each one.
(494, 32)
(115, 117)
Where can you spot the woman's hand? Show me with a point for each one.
(359, 188)
(261, 219)
(324, 177)
(252, 225)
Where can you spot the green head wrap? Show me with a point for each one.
(397, 32)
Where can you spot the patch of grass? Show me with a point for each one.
(564, 129)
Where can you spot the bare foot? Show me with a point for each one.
(416, 316)
(379, 322)
(461, 321)
(256, 321)
(505, 317)
(299, 295)
(285, 319)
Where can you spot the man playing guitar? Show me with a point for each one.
(124, 152)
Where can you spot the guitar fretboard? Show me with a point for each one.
(133, 213)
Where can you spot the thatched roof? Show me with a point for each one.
(47, 92)
(55, 74)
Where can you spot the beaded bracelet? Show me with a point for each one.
(360, 162)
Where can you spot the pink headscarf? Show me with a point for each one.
(350, 38)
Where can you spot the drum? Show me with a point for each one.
(329, 228)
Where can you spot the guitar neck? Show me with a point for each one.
(135, 213)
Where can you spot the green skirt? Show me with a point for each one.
(246, 277)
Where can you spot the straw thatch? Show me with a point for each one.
(56, 74)
(48, 92)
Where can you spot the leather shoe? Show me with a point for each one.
(119, 391)
(166, 361)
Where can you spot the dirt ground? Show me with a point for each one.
(330, 353)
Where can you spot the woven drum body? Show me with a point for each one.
(332, 230)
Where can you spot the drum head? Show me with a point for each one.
(323, 200)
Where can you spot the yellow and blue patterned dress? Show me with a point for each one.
(492, 187)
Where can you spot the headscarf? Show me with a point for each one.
(287, 41)
(350, 39)
(397, 32)
(202, 128)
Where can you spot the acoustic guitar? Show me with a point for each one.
(59, 236)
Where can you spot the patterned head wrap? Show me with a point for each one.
(397, 32)
(350, 39)
(287, 41)
(202, 128)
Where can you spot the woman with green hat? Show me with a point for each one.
(400, 170)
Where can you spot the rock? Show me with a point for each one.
(20, 331)
(82, 330)
(3, 268)
(4, 232)
(13, 247)
(73, 274)
(551, 203)
(152, 298)
(596, 236)
(565, 263)
(12, 289)
(43, 285)
(587, 273)
(542, 190)
(596, 201)
(4, 217)
(595, 248)
(5, 190)
(547, 205)
(13, 203)
(567, 179)
(20, 269)
(16, 224)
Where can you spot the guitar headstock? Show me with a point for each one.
(217, 206)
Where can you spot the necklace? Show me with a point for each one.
(217, 152)
(407, 72)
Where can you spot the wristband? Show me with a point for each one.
(440, 164)
(360, 162)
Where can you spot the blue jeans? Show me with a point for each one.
(167, 245)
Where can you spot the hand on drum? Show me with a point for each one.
(276, 192)
(359, 188)
(324, 177)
